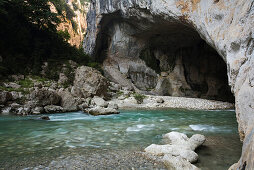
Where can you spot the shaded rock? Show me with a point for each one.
(90, 82)
(16, 95)
(68, 101)
(53, 109)
(44, 118)
(45, 97)
(83, 106)
(17, 77)
(96, 111)
(4, 97)
(62, 78)
(38, 84)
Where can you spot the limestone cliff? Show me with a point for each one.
(76, 25)
(146, 44)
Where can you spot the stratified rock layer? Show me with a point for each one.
(132, 37)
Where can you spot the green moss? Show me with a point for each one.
(26, 83)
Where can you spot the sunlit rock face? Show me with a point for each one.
(179, 48)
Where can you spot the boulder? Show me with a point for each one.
(174, 150)
(5, 97)
(90, 82)
(96, 111)
(68, 101)
(179, 152)
(45, 97)
(98, 101)
(53, 109)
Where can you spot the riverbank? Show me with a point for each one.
(167, 102)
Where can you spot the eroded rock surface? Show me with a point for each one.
(134, 37)
(89, 82)
(179, 153)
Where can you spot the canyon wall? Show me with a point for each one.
(178, 47)
(76, 24)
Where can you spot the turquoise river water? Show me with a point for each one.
(27, 141)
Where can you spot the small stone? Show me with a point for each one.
(160, 100)
(44, 118)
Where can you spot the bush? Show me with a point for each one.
(139, 98)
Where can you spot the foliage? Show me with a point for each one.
(139, 98)
(29, 37)
(65, 34)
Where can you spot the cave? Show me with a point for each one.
(180, 62)
(187, 65)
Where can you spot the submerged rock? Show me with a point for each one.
(44, 118)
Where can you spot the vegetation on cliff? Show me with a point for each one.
(29, 36)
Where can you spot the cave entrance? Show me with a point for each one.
(187, 65)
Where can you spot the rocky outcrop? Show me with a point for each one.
(89, 82)
(120, 31)
(45, 97)
(74, 20)
(179, 153)
(4, 97)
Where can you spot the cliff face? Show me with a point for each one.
(75, 26)
(142, 42)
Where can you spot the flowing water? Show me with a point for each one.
(27, 141)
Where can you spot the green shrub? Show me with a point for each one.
(139, 98)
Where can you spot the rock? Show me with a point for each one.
(12, 85)
(96, 111)
(179, 153)
(98, 101)
(68, 101)
(113, 105)
(16, 95)
(53, 109)
(164, 74)
(62, 78)
(6, 110)
(38, 110)
(177, 163)
(17, 77)
(90, 82)
(38, 84)
(159, 100)
(45, 97)
(44, 118)
(175, 150)
(83, 106)
(227, 27)
(180, 139)
(5, 97)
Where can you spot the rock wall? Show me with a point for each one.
(118, 31)
(78, 31)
